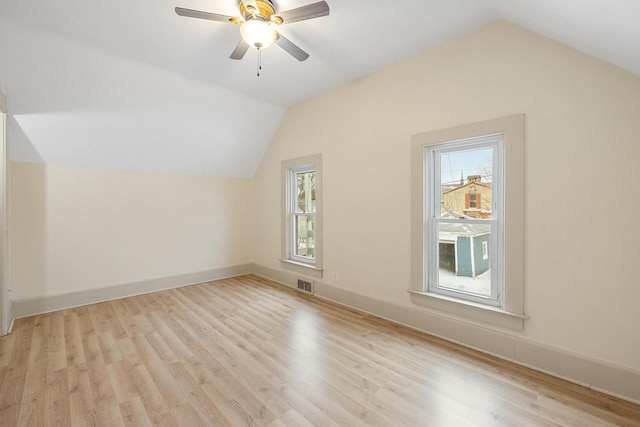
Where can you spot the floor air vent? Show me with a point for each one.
(306, 286)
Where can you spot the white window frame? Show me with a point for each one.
(509, 312)
(432, 210)
(289, 260)
(294, 214)
(5, 164)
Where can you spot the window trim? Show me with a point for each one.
(511, 312)
(288, 261)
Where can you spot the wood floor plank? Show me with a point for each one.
(32, 408)
(161, 348)
(56, 347)
(33, 398)
(187, 416)
(80, 396)
(57, 411)
(73, 339)
(122, 383)
(128, 350)
(109, 416)
(133, 413)
(162, 379)
(291, 419)
(100, 382)
(110, 350)
(6, 349)
(125, 317)
(131, 305)
(167, 335)
(98, 319)
(131, 380)
(84, 321)
(202, 403)
(247, 351)
(116, 328)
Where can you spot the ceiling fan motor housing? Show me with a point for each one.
(266, 10)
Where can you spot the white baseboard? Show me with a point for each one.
(602, 376)
(31, 306)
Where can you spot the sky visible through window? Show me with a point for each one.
(460, 164)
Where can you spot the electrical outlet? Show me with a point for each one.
(335, 276)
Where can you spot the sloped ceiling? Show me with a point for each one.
(128, 84)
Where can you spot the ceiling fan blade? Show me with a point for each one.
(291, 48)
(310, 11)
(240, 50)
(204, 15)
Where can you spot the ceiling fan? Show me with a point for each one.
(259, 22)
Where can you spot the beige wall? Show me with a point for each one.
(75, 229)
(582, 126)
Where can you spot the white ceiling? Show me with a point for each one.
(128, 84)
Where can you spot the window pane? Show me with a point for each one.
(306, 193)
(465, 183)
(464, 258)
(305, 245)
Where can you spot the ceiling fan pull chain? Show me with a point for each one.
(259, 61)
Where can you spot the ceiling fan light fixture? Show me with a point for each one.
(258, 33)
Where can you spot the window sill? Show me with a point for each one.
(301, 267)
(469, 310)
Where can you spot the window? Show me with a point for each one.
(463, 272)
(303, 213)
(302, 196)
(473, 198)
(467, 221)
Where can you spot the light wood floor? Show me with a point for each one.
(245, 351)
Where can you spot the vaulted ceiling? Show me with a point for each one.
(128, 84)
